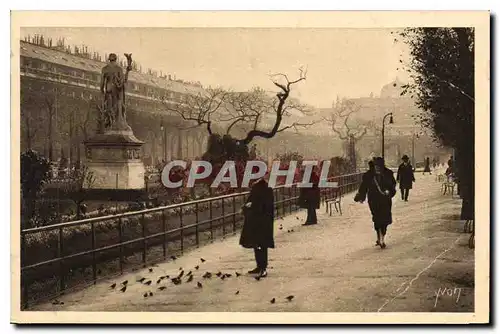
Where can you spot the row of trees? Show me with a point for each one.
(441, 66)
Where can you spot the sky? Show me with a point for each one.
(339, 62)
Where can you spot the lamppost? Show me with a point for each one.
(164, 131)
(414, 136)
(391, 121)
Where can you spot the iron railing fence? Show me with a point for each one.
(72, 255)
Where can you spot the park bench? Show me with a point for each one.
(334, 198)
(448, 186)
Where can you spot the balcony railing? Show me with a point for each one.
(72, 255)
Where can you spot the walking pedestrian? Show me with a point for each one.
(258, 226)
(405, 177)
(379, 185)
(309, 198)
(427, 166)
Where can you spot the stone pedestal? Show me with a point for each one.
(114, 158)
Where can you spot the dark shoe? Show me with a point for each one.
(263, 273)
(254, 271)
(383, 245)
(377, 243)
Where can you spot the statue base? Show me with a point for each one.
(114, 158)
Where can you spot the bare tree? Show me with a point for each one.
(339, 121)
(279, 107)
(50, 101)
(30, 119)
(199, 108)
(347, 131)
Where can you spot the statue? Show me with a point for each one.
(113, 87)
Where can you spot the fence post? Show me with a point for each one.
(164, 234)
(196, 226)
(223, 220)
(182, 230)
(24, 284)
(120, 236)
(144, 241)
(94, 265)
(61, 262)
(211, 222)
(234, 214)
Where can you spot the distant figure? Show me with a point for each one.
(258, 227)
(309, 198)
(427, 166)
(405, 177)
(380, 187)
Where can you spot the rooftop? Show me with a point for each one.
(59, 57)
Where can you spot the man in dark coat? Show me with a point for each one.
(380, 186)
(310, 198)
(258, 228)
(405, 177)
(427, 166)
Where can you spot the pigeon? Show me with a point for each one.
(181, 274)
(290, 298)
(218, 274)
(176, 281)
(228, 275)
(150, 294)
(202, 260)
(296, 217)
(207, 275)
(150, 270)
(113, 286)
(124, 288)
(163, 277)
(148, 282)
(291, 230)
(237, 292)
(238, 274)
(197, 267)
(273, 300)
(180, 269)
(173, 258)
(124, 282)
(161, 288)
(199, 285)
(145, 295)
(141, 280)
(281, 227)
(190, 278)
(223, 277)
(158, 281)
(189, 273)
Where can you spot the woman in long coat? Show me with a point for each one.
(380, 187)
(310, 198)
(405, 178)
(258, 227)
